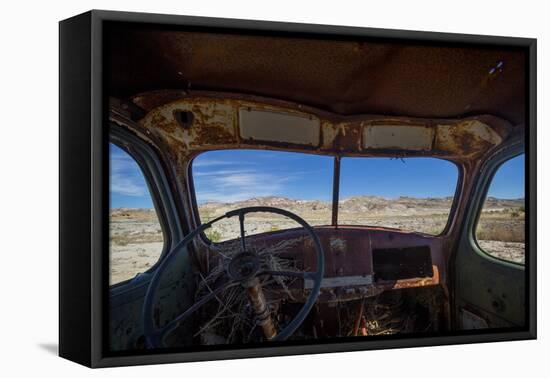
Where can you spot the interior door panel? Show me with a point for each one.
(489, 292)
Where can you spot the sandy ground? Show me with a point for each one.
(129, 260)
(510, 251)
(137, 241)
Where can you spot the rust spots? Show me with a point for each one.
(412, 282)
(204, 124)
(159, 121)
(342, 137)
(216, 124)
(212, 135)
(470, 138)
(208, 113)
(151, 100)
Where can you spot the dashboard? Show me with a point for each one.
(363, 261)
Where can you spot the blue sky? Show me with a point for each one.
(127, 184)
(236, 175)
(391, 178)
(228, 176)
(509, 181)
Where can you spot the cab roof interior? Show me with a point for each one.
(340, 76)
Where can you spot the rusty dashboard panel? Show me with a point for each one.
(350, 272)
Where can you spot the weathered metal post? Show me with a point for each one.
(257, 299)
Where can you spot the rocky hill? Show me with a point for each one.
(359, 204)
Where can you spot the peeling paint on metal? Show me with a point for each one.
(471, 138)
(337, 244)
(217, 124)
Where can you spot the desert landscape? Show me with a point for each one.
(136, 237)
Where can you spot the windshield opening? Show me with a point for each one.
(414, 194)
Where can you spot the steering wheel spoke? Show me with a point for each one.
(241, 226)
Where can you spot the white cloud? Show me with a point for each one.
(126, 177)
(126, 186)
(202, 163)
(210, 163)
(237, 185)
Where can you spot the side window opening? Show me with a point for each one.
(500, 230)
(136, 238)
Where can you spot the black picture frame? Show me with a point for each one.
(83, 192)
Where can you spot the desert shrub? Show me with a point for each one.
(121, 240)
(501, 231)
(126, 238)
(213, 235)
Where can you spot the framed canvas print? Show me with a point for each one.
(232, 188)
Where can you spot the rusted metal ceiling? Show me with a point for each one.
(342, 77)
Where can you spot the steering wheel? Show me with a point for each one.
(243, 269)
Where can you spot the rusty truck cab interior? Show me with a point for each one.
(197, 99)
